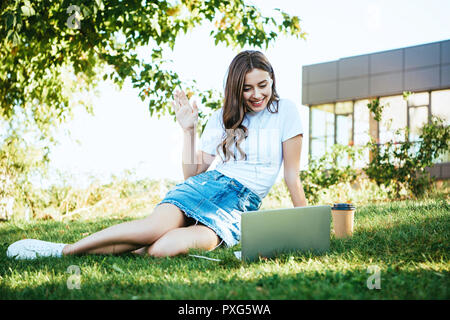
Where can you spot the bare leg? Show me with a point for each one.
(131, 235)
(115, 249)
(180, 240)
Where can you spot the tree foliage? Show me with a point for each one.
(49, 46)
(53, 52)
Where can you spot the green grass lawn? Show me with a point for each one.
(408, 241)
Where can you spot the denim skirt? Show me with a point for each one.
(215, 200)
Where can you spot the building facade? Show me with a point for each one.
(337, 94)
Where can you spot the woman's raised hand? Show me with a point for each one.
(187, 116)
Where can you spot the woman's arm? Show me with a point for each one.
(291, 160)
(193, 162)
(189, 157)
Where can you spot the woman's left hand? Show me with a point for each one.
(187, 116)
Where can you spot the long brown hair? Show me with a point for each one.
(234, 106)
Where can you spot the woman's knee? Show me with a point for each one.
(207, 239)
(163, 219)
(170, 244)
(179, 241)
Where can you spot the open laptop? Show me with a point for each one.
(266, 233)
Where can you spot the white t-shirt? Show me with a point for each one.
(263, 145)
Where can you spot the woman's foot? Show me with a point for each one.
(32, 249)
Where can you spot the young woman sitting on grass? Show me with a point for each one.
(253, 133)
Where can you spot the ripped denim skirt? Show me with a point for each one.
(215, 200)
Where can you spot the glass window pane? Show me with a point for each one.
(442, 158)
(440, 104)
(343, 129)
(318, 148)
(418, 99)
(392, 119)
(344, 107)
(362, 116)
(417, 118)
(322, 130)
(325, 107)
(322, 123)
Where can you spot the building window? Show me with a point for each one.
(321, 129)
(440, 106)
(393, 118)
(361, 134)
(418, 117)
(344, 126)
(331, 124)
(344, 122)
(349, 122)
(418, 114)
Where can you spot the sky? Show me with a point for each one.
(122, 135)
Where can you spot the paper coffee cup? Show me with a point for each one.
(343, 218)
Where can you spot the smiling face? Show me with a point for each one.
(257, 89)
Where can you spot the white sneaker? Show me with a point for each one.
(32, 249)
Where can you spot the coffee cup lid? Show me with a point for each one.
(343, 206)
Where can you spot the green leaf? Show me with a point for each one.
(155, 25)
(10, 21)
(10, 32)
(100, 4)
(16, 38)
(27, 11)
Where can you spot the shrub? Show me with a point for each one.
(403, 164)
(18, 162)
(330, 170)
